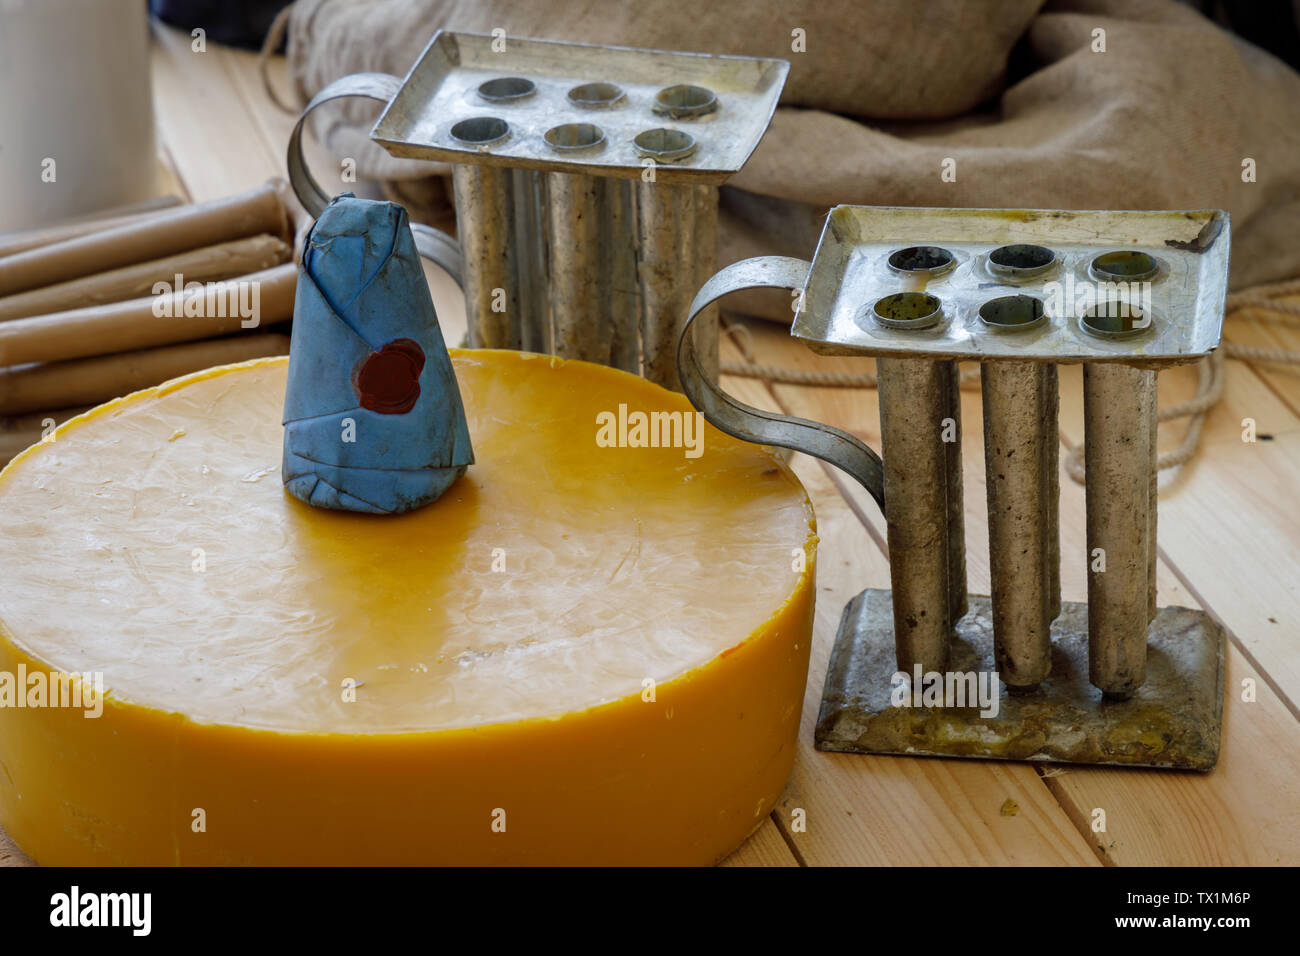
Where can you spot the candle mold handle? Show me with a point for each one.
(755, 425)
(432, 244)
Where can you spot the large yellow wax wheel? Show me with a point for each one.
(580, 654)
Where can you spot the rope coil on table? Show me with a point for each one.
(1209, 387)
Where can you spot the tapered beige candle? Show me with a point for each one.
(207, 264)
(217, 308)
(31, 388)
(260, 210)
(14, 242)
(12, 442)
(17, 433)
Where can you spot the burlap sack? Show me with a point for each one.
(1071, 104)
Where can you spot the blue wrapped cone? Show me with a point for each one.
(373, 419)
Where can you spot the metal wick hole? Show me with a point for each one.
(595, 96)
(574, 136)
(1115, 319)
(504, 89)
(664, 145)
(1021, 260)
(480, 130)
(1126, 264)
(921, 260)
(908, 310)
(685, 100)
(1013, 312)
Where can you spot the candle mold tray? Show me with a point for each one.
(602, 110)
(1143, 288)
(1116, 680)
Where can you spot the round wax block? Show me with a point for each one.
(584, 652)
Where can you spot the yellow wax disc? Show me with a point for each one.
(606, 643)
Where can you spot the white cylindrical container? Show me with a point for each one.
(76, 109)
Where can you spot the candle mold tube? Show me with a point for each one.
(1119, 405)
(485, 218)
(914, 400)
(678, 248)
(1020, 439)
(580, 327)
(957, 596)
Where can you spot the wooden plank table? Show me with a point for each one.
(1229, 536)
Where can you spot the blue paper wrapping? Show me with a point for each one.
(373, 419)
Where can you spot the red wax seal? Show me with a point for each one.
(388, 381)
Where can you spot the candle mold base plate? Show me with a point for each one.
(1172, 721)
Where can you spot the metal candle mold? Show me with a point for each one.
(1114, 681)
(585, 181)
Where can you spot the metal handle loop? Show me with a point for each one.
(755, 425)
(432, 244)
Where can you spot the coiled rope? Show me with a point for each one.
(1209, 386)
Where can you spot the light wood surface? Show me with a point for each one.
(1229, 537)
